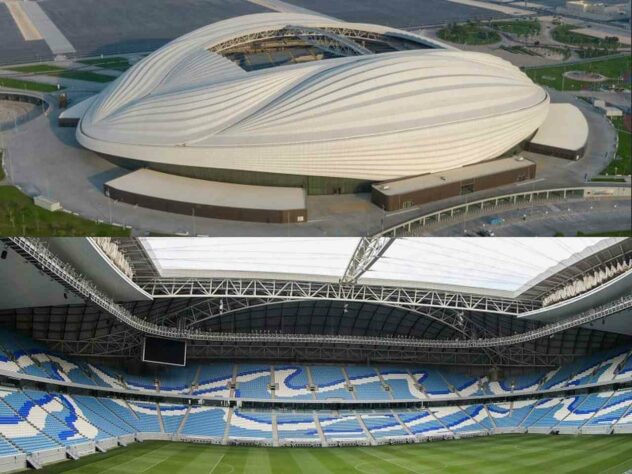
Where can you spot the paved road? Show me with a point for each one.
(398, 13)
(548, 219)
(13, 47)
(116, 26)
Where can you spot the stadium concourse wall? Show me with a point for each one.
(38, 100)
(313, 185)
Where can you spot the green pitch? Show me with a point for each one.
(497, 454)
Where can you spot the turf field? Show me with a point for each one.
(497, 454)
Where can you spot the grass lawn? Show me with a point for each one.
(564, 34)
(115, 63)
(622, 164)
(519, 50)
(19, 216)
(518, 27)
(26, 85)
(469, 33)
(615, 69)
(56, 71)
(497, 454)
(612, 233)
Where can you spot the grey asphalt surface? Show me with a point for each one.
(13, 48)
(397, 13)
(122, 26)
(97, 27)
(547, 219)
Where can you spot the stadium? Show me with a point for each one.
(297, 100)
(315, 355)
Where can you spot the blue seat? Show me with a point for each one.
(250, 425)
(341, 426)
(383, 426)
(330, 382)
(292, 383)
(422, 423)
(205, 421)
(291, 426)
(366, 383)
(253, 381)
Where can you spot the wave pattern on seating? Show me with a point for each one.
(20, 354)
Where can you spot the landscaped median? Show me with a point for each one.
(20, 216)
(616, 71)
(113, 63)
(64, 73)
(622, 163)
(468, 33)
(589, 46)
(518, 27)
(20, 84)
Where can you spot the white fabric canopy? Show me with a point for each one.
(481, 265)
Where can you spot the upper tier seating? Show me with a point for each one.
(434, 385)
(464, 385)
(401, 382)
(330, 383)
(519, 384)
(291, 383)
(22, 355)
(178, 379)
(142, 383)
(107, 377)
(213, 380)
(366, 383)
(625, 370)
(253, 381)
(587, 369)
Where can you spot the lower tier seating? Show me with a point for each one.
(32, 421)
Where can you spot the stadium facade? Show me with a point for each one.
(282, 99)
(366, 347)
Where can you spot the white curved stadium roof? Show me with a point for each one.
(371, 116)
(498, 266)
